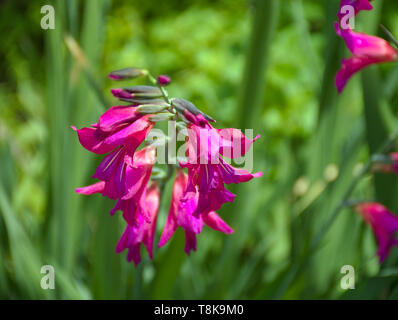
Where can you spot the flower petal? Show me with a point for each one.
(91, 189)
(117, 116)
(214, 221)
(93, 140)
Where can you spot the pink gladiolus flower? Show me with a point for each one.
(366, 50)
(384, 225)
(120, 130)
(181, 214)
(143, 232)
(125, 172)
(124, 182)
(137, 178)
(358, 6)
(208, 171)
(120, 125)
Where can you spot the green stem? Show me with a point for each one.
(389, 35)
(252, 87)
(170, 167)
(161, 88)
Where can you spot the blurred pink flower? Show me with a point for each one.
(394, 158)
(181, 214)
(387, 167)
(384, 225)
(366, 50)
(143, 232)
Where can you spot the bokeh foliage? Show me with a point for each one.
(267, 66)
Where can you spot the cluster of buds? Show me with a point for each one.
(127, 173)
(366, 49)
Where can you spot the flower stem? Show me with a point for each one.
(389, 35)
(170, 167)
(161, 88)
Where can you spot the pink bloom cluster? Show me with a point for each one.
(198, 194)
(384, 225)
(366, 49)
(125, 174)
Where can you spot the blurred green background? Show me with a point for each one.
(263, 64)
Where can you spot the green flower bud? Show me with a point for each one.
(161, 117)
(152, 108)
(127, 73)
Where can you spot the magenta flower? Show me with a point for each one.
(125, 182)
(208, 171)
(126, 170)
(181, 214)
(120, 131)
(384, 225)
(358, 6)
(143, 232)
(366, 50)
(119, 126)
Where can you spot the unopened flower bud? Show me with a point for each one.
(190, 111)
(163, 80)
(152, 108)
(142, 101)
(161, 117)
(143, 92)
(127, 73)
(121, 94)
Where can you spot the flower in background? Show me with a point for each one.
(394, 164)
(387, 164)
(366, 50)
(181, 215)
(384, 225)
(143, 232)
